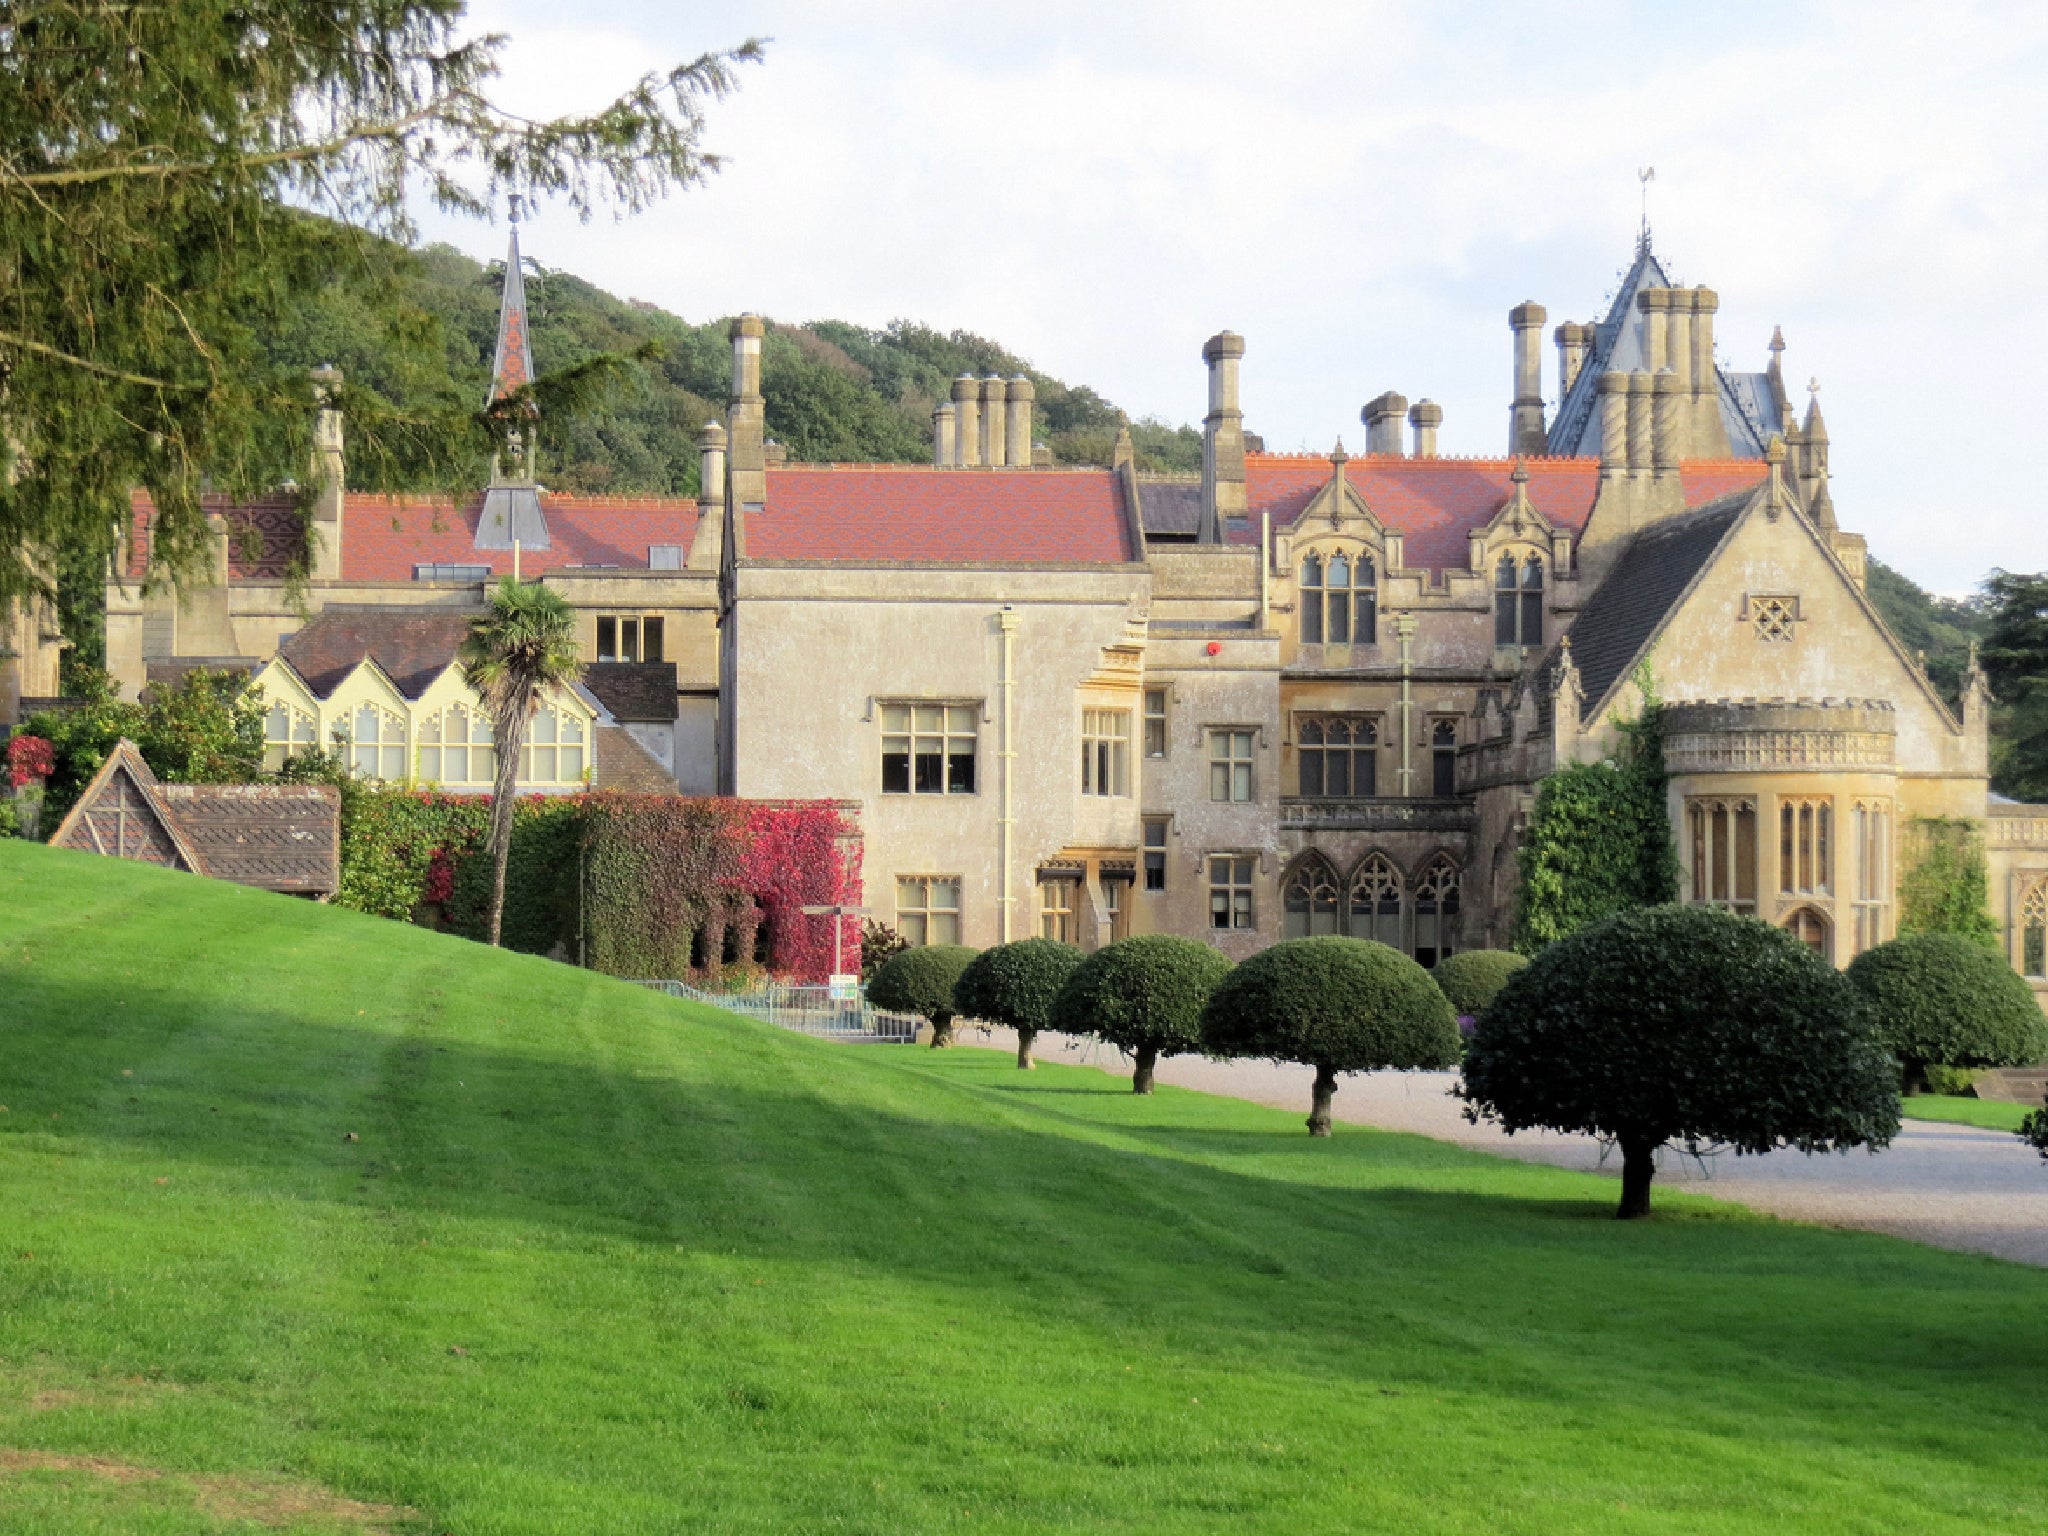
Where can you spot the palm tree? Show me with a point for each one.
(522, 645)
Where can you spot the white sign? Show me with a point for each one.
(845, 989)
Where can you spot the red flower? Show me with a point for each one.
(29, 759)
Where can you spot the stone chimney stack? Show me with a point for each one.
(747, 464)
(1017, 433)
(1613, 387)
(1574, 342)
(1383, 417)
(1425, 416)
(966, 421)
(1654, 304)
(1670, 403)
(1678, 357)
(1526, 432)
(1223, 488)
(995, 397)
(1709, 432)
(708, 544)
(1641, 388)
(942, 435)
(330, 474)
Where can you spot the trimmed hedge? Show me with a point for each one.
(1144, 995)
(1943, 998)
(921, 981)
(1683, 1025)
(1015, 984)
(1469, 981)
(1336, 1004)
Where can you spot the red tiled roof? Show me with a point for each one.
(904, 512)
(385, 537)
(1435, 503)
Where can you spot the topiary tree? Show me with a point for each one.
(1015, 984)
(921, 981)
(1686, 1025)
(1469, 980)
(1943, 998)
(1144, 995)
(1338, 1005)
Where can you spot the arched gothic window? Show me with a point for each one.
(1443, 758)
(1811, 929)
(1518, 601)
(1374, 901)
(1339, 756)
(1436, 911)
(2034, 932)
(1339, 600)
(1309, 900)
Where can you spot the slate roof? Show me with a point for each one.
(640, 691)
(1645, 584)
(896, 512)
(385, 538)
(1436, 503)
(1617, 343)
(413, 645)
(1171, 508)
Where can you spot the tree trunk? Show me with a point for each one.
(942, 1032)
(1638, 1167)
(509, 731)
(1319, 1106)
(1141, 1077)
(1024, 1039)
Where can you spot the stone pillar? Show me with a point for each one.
(1425, 416)
(1383, 417)
(967, 421)
(1017, 433)
(1639, 425)
(707, 545)
(1526, 432)
(1613, 386)
(747, 463)
(1669, 403)
(995, 396)
(1223, 488)
(330, 475)
(943, 449)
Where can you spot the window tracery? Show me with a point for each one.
(1518, 600)
(1339, 598)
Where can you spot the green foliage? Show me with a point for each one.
(206, 729)
(1945, 888)
(878, 941)
(1599, 841)
(663, 891)
(1684, 1025)
(1941, 628)
(1142, 994)
(2034, 1131)
(152, 230)
(1348, 1005)
(1950, 1082)
(2016, 661)
(1470, 980)
(1944, 997)
(920, 980)
(1015, 984)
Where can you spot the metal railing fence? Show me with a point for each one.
(807, 1010)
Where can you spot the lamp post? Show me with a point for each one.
(838, 912)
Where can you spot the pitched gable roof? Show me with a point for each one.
(117, 814)
(642, 691)
(895, 512)
(413, 646)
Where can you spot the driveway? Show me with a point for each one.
(1952, 1186)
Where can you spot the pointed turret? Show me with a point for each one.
(511, 517)
(512, 365)
(1775, 374)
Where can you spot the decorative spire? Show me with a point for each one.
(1645, 175)
(1816, 429)
(1338, 459)
(512, 366)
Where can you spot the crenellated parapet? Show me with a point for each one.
(1781, 735)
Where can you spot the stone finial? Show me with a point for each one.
(1125, 452)
(1339, 458)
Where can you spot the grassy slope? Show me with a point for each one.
(712, 1277)
(1988, 1113)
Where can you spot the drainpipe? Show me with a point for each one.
(515, 560)
(1404, 628)
(1265, 565)
(1006, 622)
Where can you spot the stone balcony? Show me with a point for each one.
(1379, 813)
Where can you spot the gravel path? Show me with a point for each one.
(1952, 1186)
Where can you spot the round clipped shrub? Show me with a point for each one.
(1683, 1025)
(1469, 981)
(921, 981)
(1144, 995)
(1942, 998)
(1015, 984)
(1336, 1004)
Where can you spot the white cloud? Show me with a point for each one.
(1365, 189)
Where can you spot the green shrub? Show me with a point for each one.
(1943, 998)
(2034, 1131)
(1952, 1082)
(1470, 980)
(1015, 984)
(921, 981)
(1143, 995)
(1686, 1025)
(1336, 1004)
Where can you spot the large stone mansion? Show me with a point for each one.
(1292, 695)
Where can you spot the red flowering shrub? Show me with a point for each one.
(29, 759)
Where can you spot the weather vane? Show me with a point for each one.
(1645, 175)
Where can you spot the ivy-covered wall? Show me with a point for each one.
(634, 885)
(1943, 886)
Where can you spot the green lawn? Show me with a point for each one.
(1988, 1113)
(599, 1262)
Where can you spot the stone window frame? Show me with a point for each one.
(916, 921)
(1443, 756)
(1438, 883)
(2030, 930)
(949, 778)
(567, 745)
(1813, 926)
(1806, 846)
(1158, 735)
(1233, 879)
(478, 743)
(296, 735)
(638, 648)
(1520, 589)
(382, 756)
(1317, 615)
(1106, 752)
(1230, 766)
(1871, 852)
(1363, 728)
(1059, 905)
(1154, 852)
(1716, 842)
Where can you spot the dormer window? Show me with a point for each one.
(1518, 601)
(1340, 600)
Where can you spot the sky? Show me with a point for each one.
(1363, 190)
